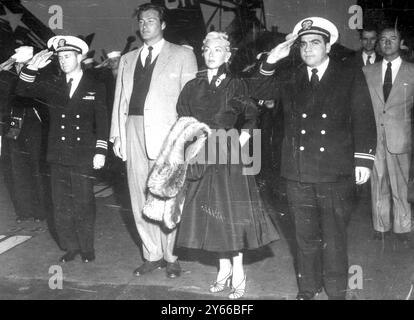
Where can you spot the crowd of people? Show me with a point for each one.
(345, 123)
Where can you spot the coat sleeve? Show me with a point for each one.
(32, 85)
(183, 103)
(101, 121)
(119, 92)
(264, 84)
(245, 106)
(189, 67)
(363, 122)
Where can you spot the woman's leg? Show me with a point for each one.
(238, 278)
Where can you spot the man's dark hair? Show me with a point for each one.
(151, 6)
(368, 29)
(393, 28)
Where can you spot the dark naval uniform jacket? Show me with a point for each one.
(327, 132)
(78, 126)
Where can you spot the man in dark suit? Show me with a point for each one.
(328, 145)
(367, 54)
(77, 141)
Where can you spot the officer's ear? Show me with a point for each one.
(79, 58)
(328, 47)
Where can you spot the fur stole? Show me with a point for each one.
(165, 184)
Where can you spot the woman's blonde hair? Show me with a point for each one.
(217, 35)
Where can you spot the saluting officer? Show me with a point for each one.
(329, 130)
(77, 141)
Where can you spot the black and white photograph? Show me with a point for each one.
(228, 152)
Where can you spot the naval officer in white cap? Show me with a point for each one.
(77, 141)
(328, 147)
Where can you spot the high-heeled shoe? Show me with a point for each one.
(219, 286)
(238, 291)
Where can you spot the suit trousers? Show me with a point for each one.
(389, 189)
(321, 214)
(157, 241)
(74, 206)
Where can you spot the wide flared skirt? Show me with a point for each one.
(223, 212)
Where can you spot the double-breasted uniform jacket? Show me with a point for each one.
(78, 126)
(326, 133)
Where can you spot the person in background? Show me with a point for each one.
(392, 95)
(25, 137)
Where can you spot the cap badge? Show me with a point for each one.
(61, 43)
(307, 24)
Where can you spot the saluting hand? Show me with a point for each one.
(282, 50)
(98, 161)
(40, 60)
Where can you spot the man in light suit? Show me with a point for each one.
(391, 87)
(149, 82)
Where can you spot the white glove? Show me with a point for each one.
(282, 50)
(98, 161)
(362, 175)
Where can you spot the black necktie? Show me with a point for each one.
(148, 58)
(69, 86)
(314, 78)
(369, 60)
(387, 81)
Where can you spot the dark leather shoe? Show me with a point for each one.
(173, 269)
(305, 295)
(69, 256)
(88, 256)
(378, 235)
(149, 266)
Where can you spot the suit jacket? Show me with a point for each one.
(323, 141)
(174, 67)
(395, 114)
(357, 61)
(78, 127)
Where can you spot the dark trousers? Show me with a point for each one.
(74, 207)
(321, 214)
(28, 178)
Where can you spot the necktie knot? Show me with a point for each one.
(389, 65)
(314, 71)
(369, 60)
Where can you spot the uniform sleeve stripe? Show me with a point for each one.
(365, 156)
(266, 73)
(26, 77)
(102, 144)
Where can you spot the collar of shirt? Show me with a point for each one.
(365, 57)
(395, 66)
(156, 49)
(75, 82)
(211, 73)
(321, 69)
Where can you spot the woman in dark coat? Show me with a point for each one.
(223, 211)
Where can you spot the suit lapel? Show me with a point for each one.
(162, 61)
(376, 80)
(128, 73)
(399, 81)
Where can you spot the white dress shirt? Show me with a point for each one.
(321, 69)
(156, 49)
(395, 66)
(75, 82)
(365, 57)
